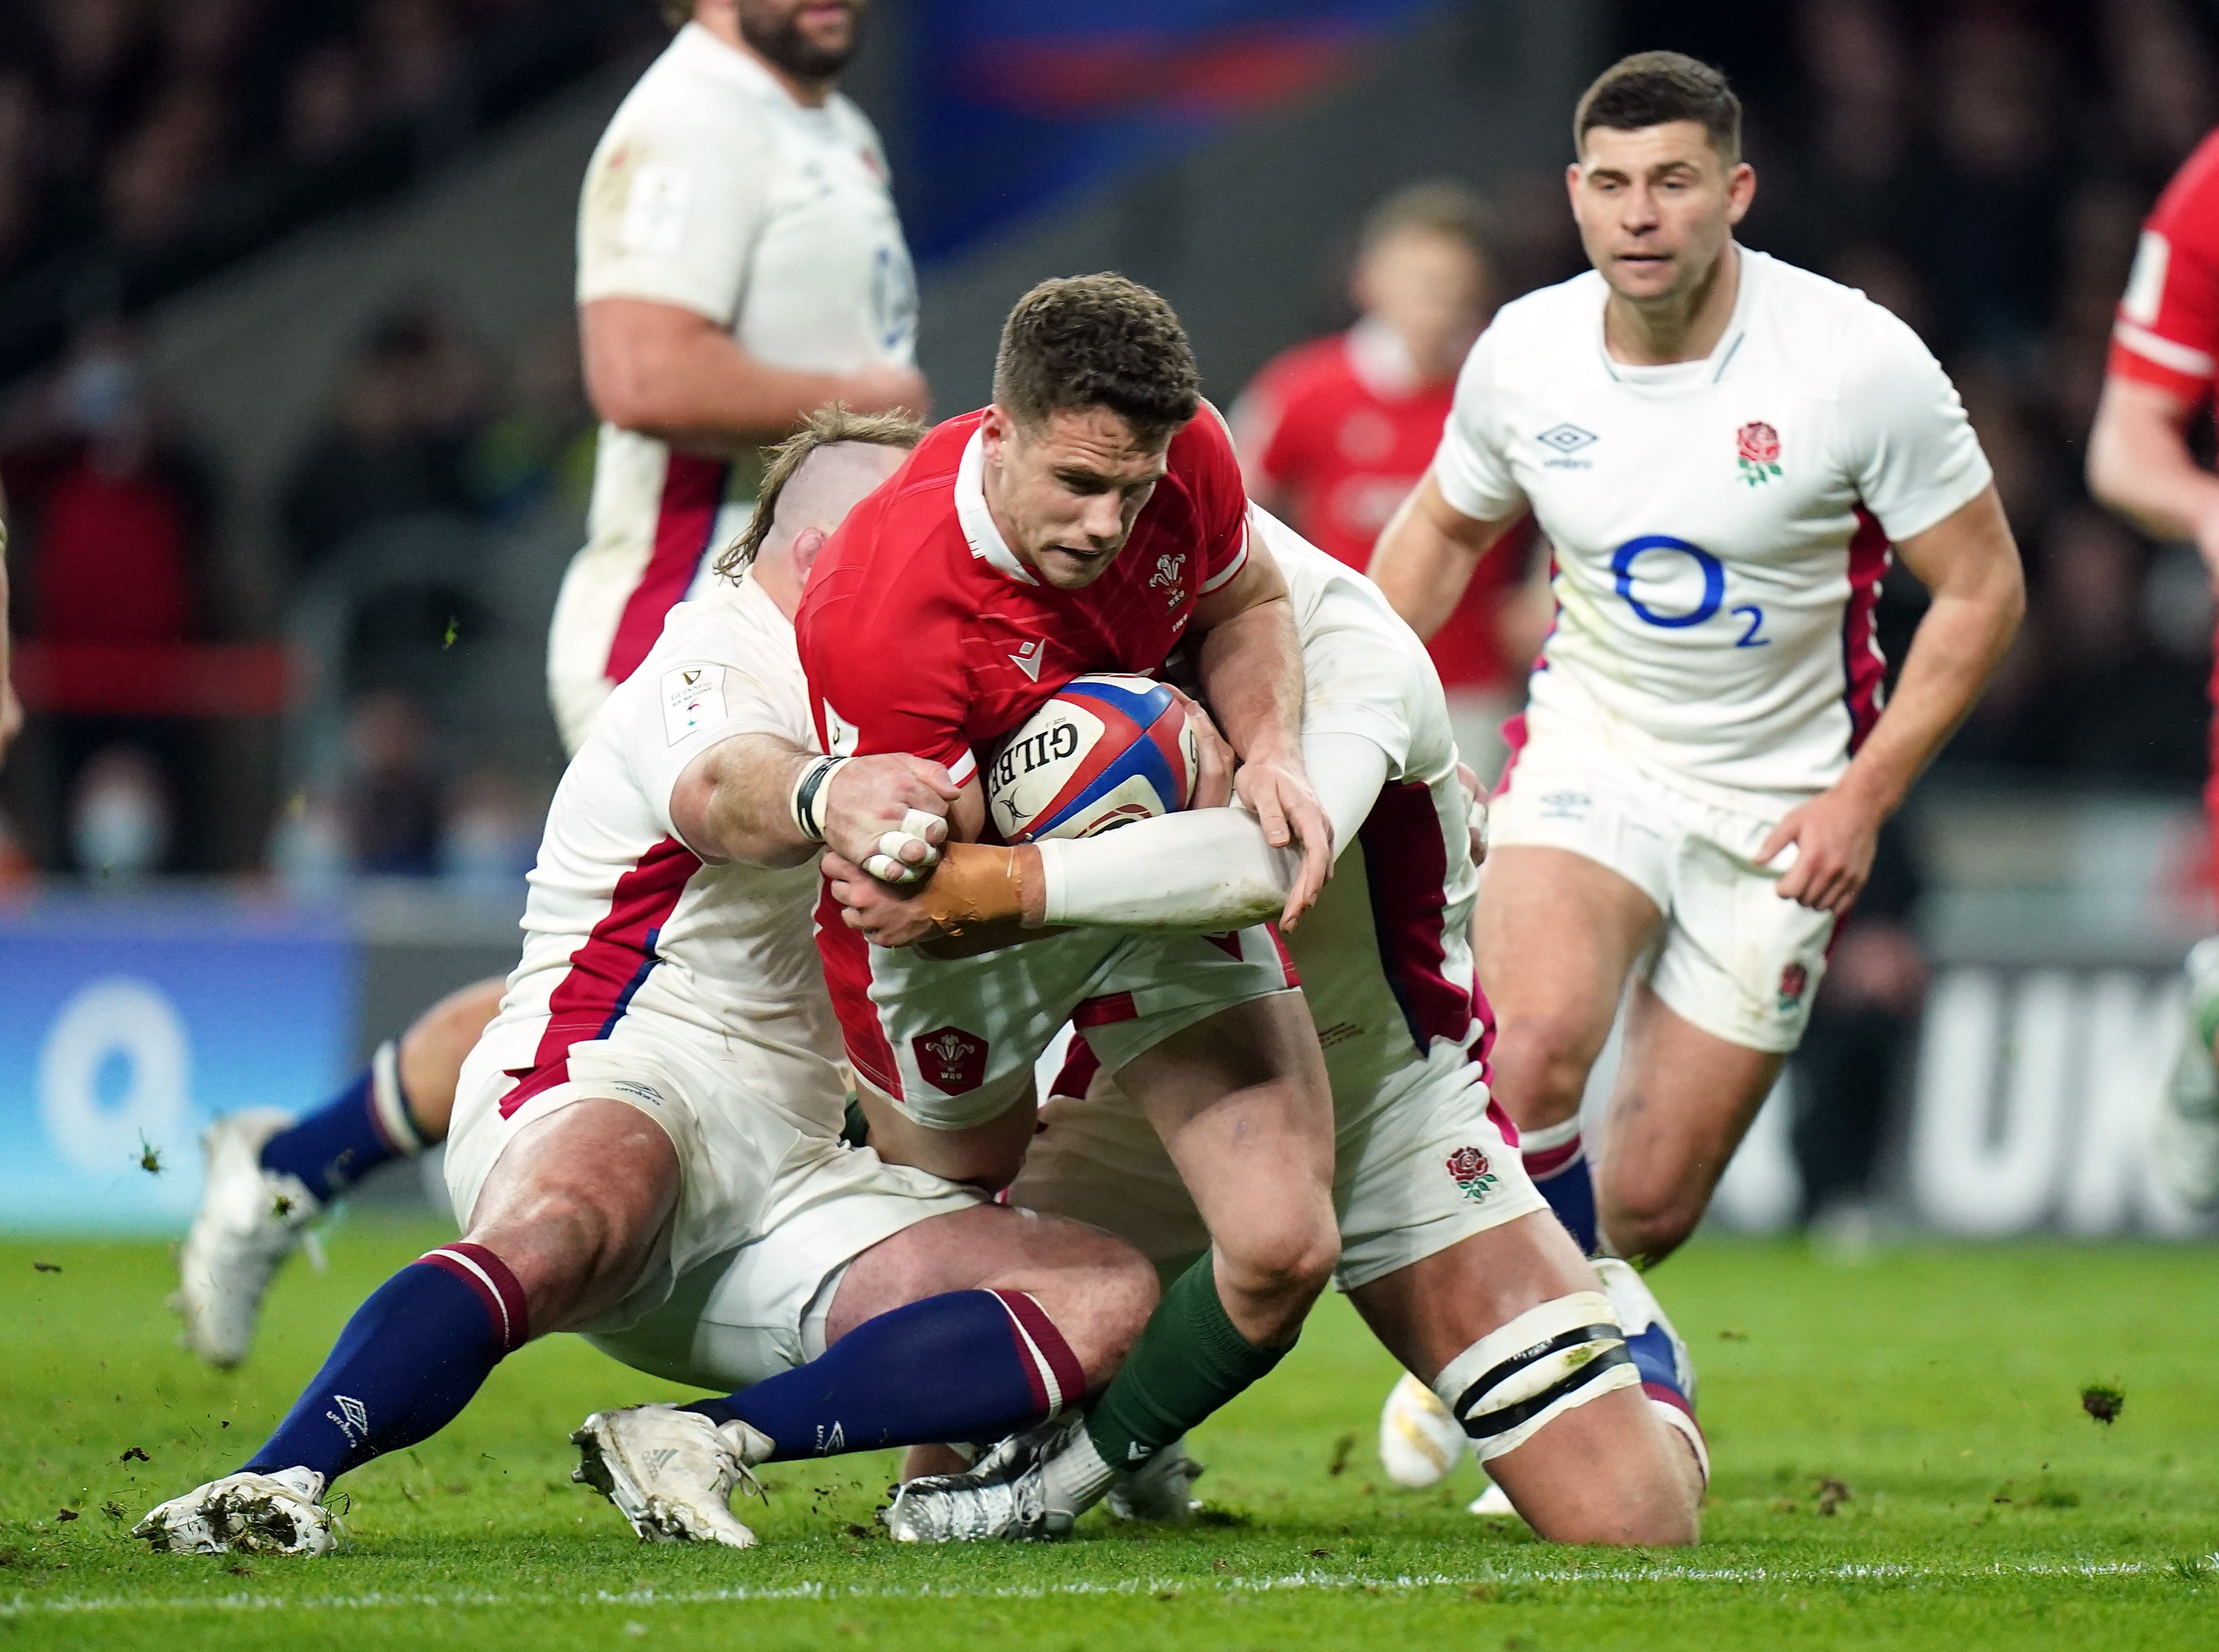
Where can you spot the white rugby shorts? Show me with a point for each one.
(1426, 1171)
(768, 1215)
(1735, 959)
(952, 1042)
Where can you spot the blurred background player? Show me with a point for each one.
(1334, 433)
(1721, 482)
(2157, 384)
(11, 710)
(740, 264)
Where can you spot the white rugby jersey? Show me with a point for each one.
(624, 919)
(1721, 527)
(1385, 955)
(713, 190)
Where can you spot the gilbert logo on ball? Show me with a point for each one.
(1106, 751)
(1757, 451)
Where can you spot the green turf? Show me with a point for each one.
(1941, 1387)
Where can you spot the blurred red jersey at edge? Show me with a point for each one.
(2167, 331)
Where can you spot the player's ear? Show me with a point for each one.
(1741, 190)
(804, 551)
(995, 429)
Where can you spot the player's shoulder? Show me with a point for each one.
(1536, 333)
(1825, 334)
(1203, 450)
(2187, 209)
(697, 84)
(1318, 365)
(854, 126)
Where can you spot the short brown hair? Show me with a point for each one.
(1652, 87)
(1098, 341)
(828, 426)
(1440, 207)
(677, 13)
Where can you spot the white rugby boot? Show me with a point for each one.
(249, 1221)
(1668, 1375)
(1013, 1492)
(1419, 1441)
(670, 1472)
(1161, 1489)
(2184, 1135)
(245, 1513)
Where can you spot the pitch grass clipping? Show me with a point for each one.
(1932, 1398)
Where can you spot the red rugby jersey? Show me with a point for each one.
(921, 631)
(2167, 329)
(1341, 429)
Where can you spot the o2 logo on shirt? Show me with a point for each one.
(1714, 588)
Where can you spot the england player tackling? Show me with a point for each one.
(1724, 451)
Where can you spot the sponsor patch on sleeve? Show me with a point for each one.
(693, 699)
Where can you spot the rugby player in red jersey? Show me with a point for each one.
(2157, 386)
(1089, 520)
(1334, 433)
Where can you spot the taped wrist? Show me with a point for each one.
(976, 884)
(1513, 1382)
(806, 801)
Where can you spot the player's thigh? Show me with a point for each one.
(1683, 1100)
(763, 1303)
(1430, 1311)
(1554, 935)
(986, 1154)
(1242, 1104)
(1096, 1159)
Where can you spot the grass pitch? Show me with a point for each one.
(1931, 1399)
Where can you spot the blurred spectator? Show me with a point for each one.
(157, 177)
(111, 510)
(1849, 1081)
(413, 403)
(392, 803)
(119, 815)
(1336, 432)
(413, 48)
(492, 836)
(541, 447)
(326, 108)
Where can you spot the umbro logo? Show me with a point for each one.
(656, 1460)
(1565, 438)
(352, 1417)
(1028, 658)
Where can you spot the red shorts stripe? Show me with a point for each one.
(1063, 1368)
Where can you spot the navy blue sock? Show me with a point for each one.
(968, 1366)
(1563, 1176)
(406, 1364)
(362, 1126)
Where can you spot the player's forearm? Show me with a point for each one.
(1207, 870)
(1250, 667)
(709, 396)
(1959, 644)
(2139, 464)
(1427, 555)
(748, 815)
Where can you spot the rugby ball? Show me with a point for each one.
(1106, 751)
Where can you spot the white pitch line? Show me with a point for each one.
(1313, 1579)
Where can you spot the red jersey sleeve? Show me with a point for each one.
(882, 657)
(1212, 474)
(1262, 430)
(2167, 329)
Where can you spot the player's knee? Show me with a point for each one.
(1540, 1064)
(1669, 1521)
(574, 1249)
(1647, 1218)
(1285, 1261)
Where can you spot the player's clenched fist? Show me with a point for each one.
(1835, 837)
(887, 814)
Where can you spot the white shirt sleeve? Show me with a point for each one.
(1905, 442)
(1472, 465)
(1206, 869)
(689, 705)
(673, 200)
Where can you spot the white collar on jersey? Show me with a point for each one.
(1380, 360)
(986, 542)
(1712, 369)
